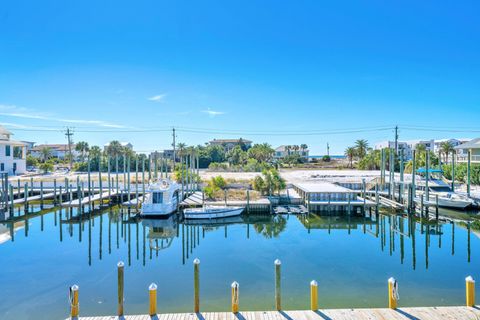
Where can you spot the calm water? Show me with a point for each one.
(350, 258)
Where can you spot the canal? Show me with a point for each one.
(350, 257)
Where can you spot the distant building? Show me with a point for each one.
(165, 154)
(229, 144)
(29, 145)
(285, 150)
(12, 154)
(127, 145)
(406, 146)
(59, 151)
(473, 146)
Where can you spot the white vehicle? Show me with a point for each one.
(161, 198)
(446, 197)
(212, 212)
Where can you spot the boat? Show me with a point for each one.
(446, 197)
(212, 212)
(161, 232)
(161, 198)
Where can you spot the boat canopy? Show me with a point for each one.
(423, 170)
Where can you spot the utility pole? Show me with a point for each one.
(174, 145)
(69, 135)
(396, 139)
(328, 149)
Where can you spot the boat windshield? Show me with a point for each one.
(441, 189)
(157, 197)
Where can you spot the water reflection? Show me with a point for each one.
(147, 237)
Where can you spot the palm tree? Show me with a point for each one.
(350, 153)
(181, 148)
(46, 153)
(83, 148)
(361, 146)
(114, 149)
(446, 148)
(303, 147)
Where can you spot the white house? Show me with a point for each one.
(59, 151)
(229, 144)
(12, 154)
(285, 150)
(462, 151)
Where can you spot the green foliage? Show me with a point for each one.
(32, 161)
(292, 159)
(269, 182)
(47, 166)
(215, 184)
(326, 158)
(461, 172)
(182, 170)
(237, 156)
(261, 152)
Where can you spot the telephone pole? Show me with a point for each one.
(173, 145)
(396, 139)
(69, 135)
(328, 149)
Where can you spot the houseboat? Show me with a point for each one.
(161, 198)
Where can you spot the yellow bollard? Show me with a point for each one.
(313, 295)
(196, 285)
(235, 296)
(392, 293)
(470, 291)
(152, 292)
(74, 307)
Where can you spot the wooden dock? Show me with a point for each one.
(424, 313)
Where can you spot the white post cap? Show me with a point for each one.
(74, 287)
(469, 279)
(314, 283)
(391, 280)
(152, 286)
(277, 262)
(235, 284)
(120, 264)
(196, 261)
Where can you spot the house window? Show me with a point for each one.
(7, 150)
(17, 152)
(2, 167)
(157, 197)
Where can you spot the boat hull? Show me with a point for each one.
(158, 210)
(197, 214)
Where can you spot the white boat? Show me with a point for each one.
(446, 197)
(161, 198)
(212, 212)
(161, 232)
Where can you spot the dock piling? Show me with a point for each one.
(120, 272)
(196, 285)
(392, 293)
(470, 291)
(235, 296)
(152, 293)
(313, 295)
(74, 307)
(278, 297)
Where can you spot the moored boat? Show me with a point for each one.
(212, 212)
(161, 198)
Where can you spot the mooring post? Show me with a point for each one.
(235, 296)
(143, 177)
(25, 194)
(60, 196)
(136, 179)
(89, 177)
(278, 293)
(248, 200)
(392, 293)
(470, 291)
(11, 200)
(225, 196)
(436, 206)
(74, 307)
(31, 185)
(152, 293)
(413, 179)
(120, 274)
(427, 174)
(196, 285)
(453, 170)
(128, 181)
(313, 295)
(54, 191)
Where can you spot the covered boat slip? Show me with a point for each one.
(326, 196)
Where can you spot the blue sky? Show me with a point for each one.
(284, 72)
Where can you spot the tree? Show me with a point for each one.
(83, 148)
(361, 147)
(269, 182)
(237, 156)
(261, 152)
(32, 161)
(446, 148)
(350, 153)
(45, 153)
(115, 149)
(303, 147)
(47, 166)
(181, 149)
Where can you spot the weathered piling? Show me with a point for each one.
(392, 293)
(453, 170)
(235, 296)
(278, 293)
(469, 159)
(74, 306)
(120, 277)
(196, 285)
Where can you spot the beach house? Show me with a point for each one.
(12, 154)
(462, 151)
(229, 144)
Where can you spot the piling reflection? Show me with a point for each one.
(152, 236)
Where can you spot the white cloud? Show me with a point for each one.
(20, 112)
(213, 113)
(158, 98)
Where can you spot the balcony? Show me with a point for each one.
(463, 158)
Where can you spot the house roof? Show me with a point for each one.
(472, 144)
(284, 148)
(58, 147)
(230, 141)
(4, 130)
